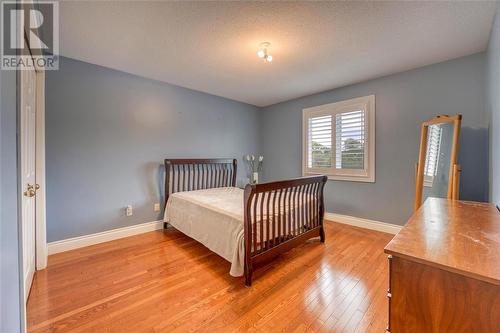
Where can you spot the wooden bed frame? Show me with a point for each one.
(269, 228)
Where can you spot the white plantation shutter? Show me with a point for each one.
(350, 140)
(320, 142)
(339, 140)
(432, 154)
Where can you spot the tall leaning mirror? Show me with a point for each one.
(438, 174)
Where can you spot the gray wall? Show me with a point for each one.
(107, 133)
(493, 105)
(403, 102)
(10, 320)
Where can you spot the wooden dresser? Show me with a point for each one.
(444, 269)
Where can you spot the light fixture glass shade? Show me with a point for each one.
(263, 52)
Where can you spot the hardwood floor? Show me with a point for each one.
(163, 281)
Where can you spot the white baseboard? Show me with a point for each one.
(106, 236)
(101, 237)
(363, 223)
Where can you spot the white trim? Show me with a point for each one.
(40, 216)
(367, 103)
(106, 236)
(363, 223)
(101, 237)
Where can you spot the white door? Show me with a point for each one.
(28, 181)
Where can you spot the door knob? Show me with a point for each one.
(30, 192)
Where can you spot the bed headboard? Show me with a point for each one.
(196, 174)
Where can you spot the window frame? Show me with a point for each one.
(366, 103)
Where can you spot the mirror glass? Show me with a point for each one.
(437, 160)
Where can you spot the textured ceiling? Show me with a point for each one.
(211, 46)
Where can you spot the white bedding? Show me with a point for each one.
(214, 217)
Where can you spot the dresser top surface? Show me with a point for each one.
(458, 236)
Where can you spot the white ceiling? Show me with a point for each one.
(211, 46)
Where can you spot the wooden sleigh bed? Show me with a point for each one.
(246, 227)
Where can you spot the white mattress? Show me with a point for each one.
(214, 217)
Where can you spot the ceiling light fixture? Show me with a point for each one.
(263, 52)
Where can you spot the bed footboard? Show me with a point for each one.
(280, 215)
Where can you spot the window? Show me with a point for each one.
(339, 140)
(432, 154)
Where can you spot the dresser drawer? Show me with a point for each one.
(389, 295)
(423, 298)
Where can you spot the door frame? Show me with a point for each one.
(41, 254)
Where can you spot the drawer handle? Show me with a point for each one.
(389, 295)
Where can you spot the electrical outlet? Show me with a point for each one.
(156, 207)
(129, 211)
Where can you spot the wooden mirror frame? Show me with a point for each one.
(454, 174)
